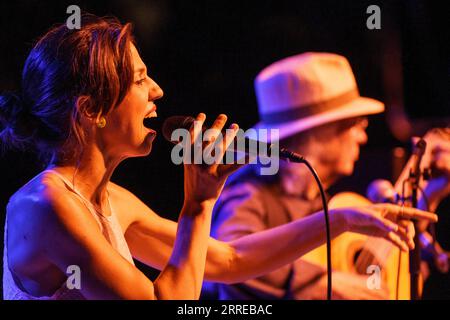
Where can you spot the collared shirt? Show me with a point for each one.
(251, 204)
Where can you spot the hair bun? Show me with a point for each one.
(13, 123)
(10, 106)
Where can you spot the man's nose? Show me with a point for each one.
(362, 136)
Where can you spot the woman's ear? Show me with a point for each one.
(84, 108)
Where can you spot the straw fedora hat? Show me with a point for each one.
(307, 90)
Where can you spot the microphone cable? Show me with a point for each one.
(299, 159)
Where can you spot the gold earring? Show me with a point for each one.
(101, 122)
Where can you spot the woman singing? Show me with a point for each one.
(83, 99)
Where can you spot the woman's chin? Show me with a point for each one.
(142, 146)
(148, 142)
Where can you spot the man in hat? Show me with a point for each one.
(313, 101)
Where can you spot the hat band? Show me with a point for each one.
(311, 109)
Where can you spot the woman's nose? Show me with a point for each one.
(155, 91)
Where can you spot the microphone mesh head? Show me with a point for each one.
(176, 122)
(381, 191)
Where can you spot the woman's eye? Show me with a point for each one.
(140, 82)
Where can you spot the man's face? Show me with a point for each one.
(343, 147)
(340, 147)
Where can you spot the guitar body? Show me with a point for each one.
(347, 251)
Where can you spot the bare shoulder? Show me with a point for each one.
(34, 212)
(121, 193)
(38, 202)
(41, 193)
(130, 208)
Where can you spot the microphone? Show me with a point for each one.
(418, 152)
(382, 191)
(240, 144)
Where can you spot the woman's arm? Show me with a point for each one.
(70, 236)
(182, 277)
(238, 260)
(66, 234)
(262, 252)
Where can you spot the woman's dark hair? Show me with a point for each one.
(68, 72)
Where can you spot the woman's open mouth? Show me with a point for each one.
(148, 119)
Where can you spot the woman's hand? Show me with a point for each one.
(204, 182)
(388, 221)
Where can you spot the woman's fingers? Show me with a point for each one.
(210, 135)
(402, 212)
(386, 225)
(227, 169)
(406, 237)
(219, 122)
(407, 232)
(216, 144)
(400, 233)
(396, 239)
(197, 129)
(393, 233)
(230, 134)
(416, 214)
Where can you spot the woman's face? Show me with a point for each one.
(125, 134)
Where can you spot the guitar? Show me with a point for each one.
(354, 253)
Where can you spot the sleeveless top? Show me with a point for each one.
(111, 230)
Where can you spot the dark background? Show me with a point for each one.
(205, 55)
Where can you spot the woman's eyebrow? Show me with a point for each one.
(141, 70)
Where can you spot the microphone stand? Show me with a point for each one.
(414, 255)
